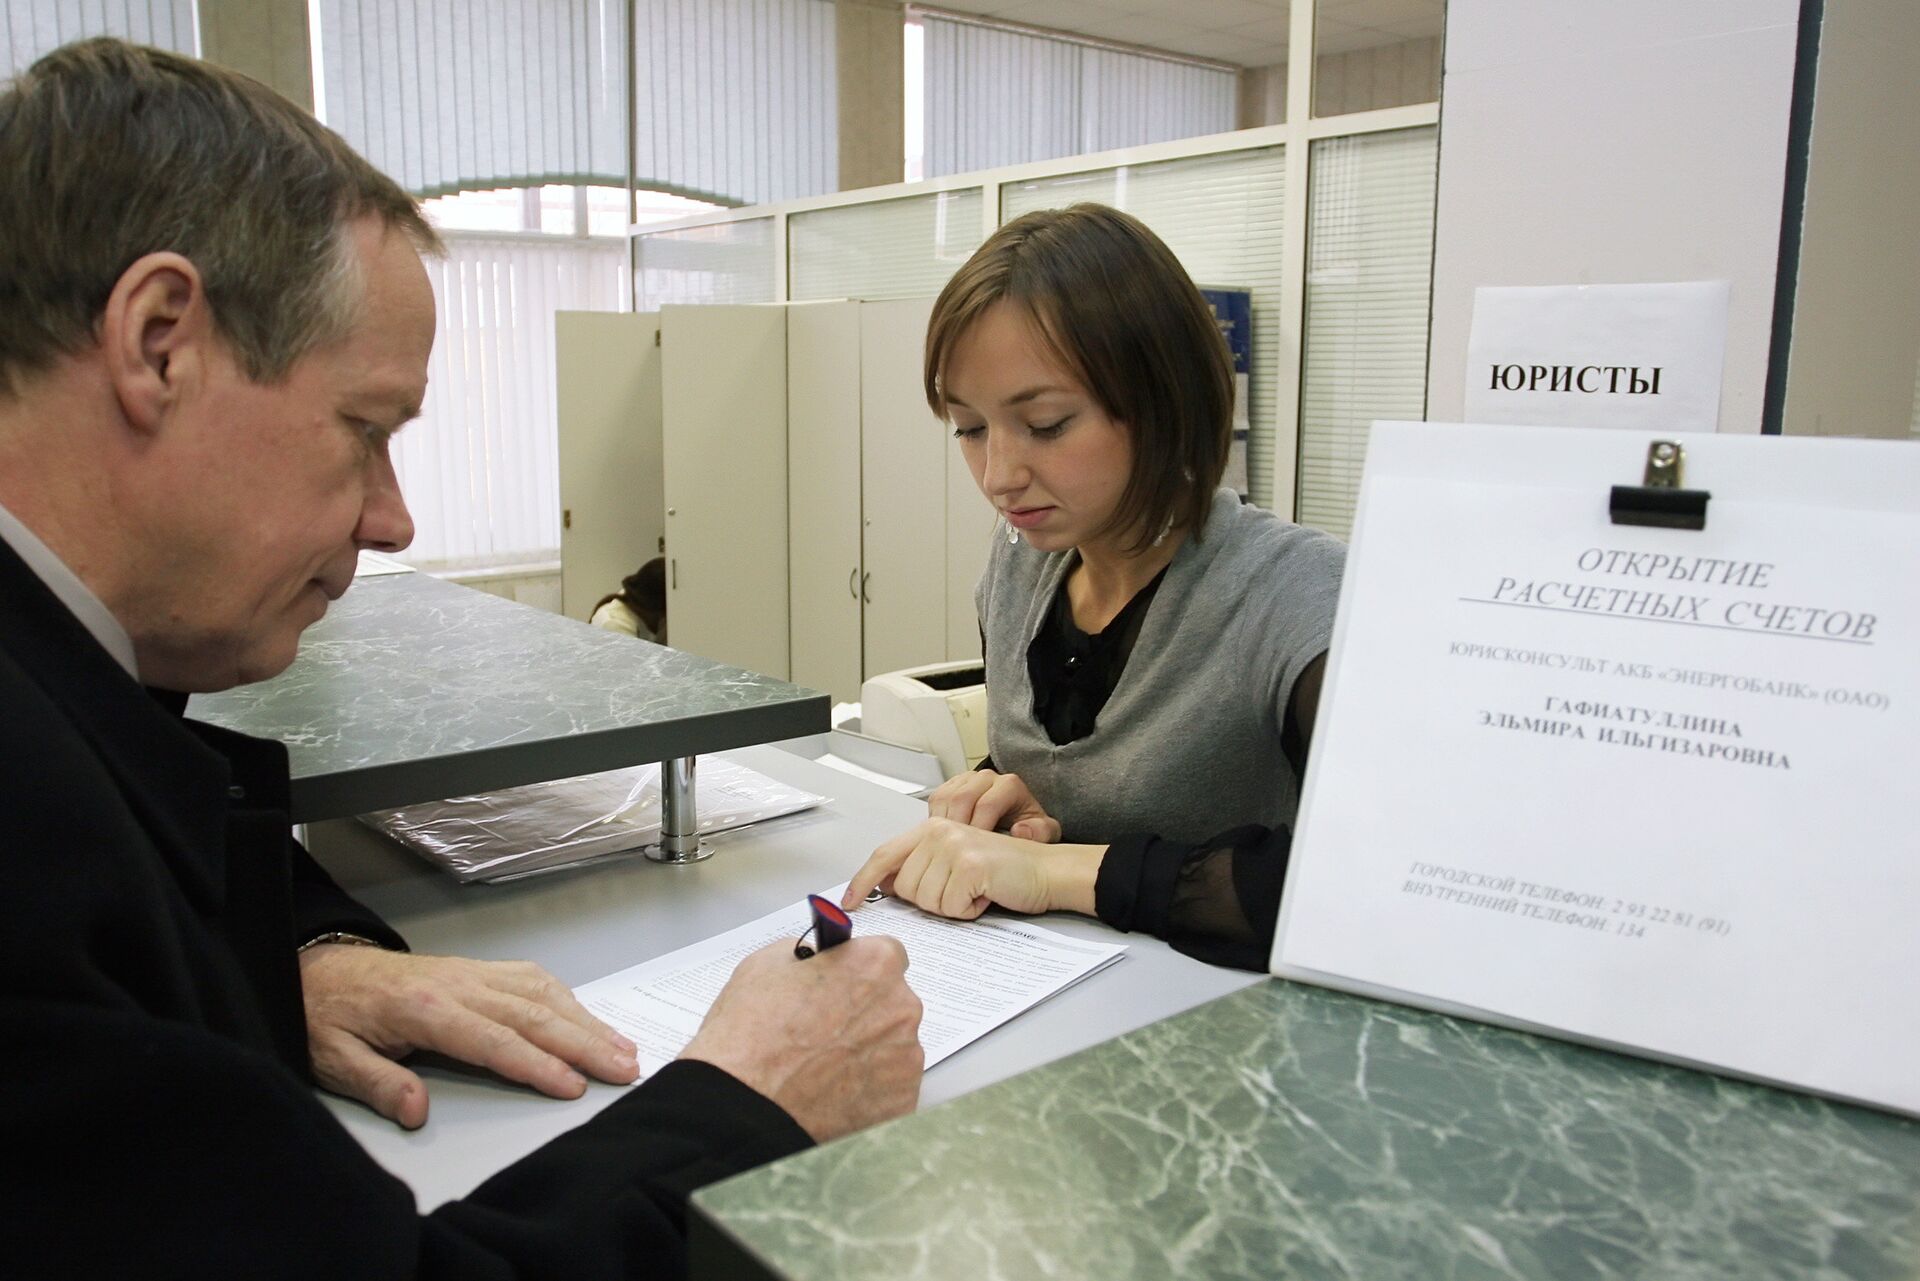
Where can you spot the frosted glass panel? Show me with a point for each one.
(728, 262)
(1221, 217)
(1368, 300)
(888, 249)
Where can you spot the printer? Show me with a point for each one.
(940, 708)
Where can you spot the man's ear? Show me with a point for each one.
(153, 335)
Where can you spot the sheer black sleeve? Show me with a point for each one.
(1216, 901)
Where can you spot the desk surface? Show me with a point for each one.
(590, 922)
(412, 689)
(1289, 1131)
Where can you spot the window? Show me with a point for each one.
(1368, 298)
(481, 467)
(31, 28)
(994, 95)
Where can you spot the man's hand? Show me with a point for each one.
(944, 866)
(367, 1007)
(833, 1039)
(995, 802)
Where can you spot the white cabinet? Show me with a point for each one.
(723, 394)
(903, 493)
(887, 532)
(613, 515)
(820, 525)
(823, 495)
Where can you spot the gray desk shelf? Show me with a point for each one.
(412, 689)
(1287, 1131)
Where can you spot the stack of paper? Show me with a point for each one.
(544, 827)
(972, 976)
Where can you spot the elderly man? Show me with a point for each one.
(213, 318)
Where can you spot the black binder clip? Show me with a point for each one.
(1659, 500)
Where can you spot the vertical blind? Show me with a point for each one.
(888, 249)
(460, 95)
(1221, 217)
(736, 100)
(480, 468)
(1001, 97)
(30, 28)
(1368, 298)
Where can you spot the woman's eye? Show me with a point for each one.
(967, 433)
(1047, 431)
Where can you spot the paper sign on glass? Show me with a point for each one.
(1644, 357)
(1649, 788)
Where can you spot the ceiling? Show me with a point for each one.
(1251, 33)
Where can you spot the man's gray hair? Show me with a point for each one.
(111, 151)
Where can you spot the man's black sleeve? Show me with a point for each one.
(137, 1144)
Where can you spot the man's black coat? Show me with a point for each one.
(156, 1110)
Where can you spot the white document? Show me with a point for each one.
(887, 781)
(971, 976)
(1644, 787)
(373, 565)
(1646, 357)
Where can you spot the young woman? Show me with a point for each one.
(1153, 647)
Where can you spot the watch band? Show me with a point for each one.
(340, 936)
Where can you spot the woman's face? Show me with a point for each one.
(1041, 448)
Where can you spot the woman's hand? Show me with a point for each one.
(996, 802)
(951, 869)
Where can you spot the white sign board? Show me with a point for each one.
(1649, 788)
(1645, 357)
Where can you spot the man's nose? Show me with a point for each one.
(385, 523)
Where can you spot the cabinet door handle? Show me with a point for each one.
(853, 574)
(864, 598)
(673, 574)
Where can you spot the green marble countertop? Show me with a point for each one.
(1290, 1131)
(412, 689)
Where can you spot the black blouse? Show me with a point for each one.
(1217, 901)
(1074, 674)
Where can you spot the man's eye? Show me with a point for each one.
(372, 434)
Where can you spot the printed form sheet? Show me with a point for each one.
(971, 976)
(1647, 787)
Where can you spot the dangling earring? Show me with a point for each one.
(1186, 474)
(1013, 535)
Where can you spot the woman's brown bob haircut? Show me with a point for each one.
(1117, 312)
